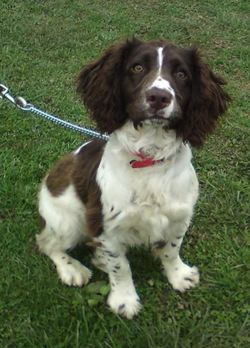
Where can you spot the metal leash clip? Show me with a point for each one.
(4, 93)
(22, 104)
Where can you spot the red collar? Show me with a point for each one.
(145, 161)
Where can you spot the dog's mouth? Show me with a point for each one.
(159, 118)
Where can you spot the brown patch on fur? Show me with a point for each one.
(84, 179)
(61, 175)
(80, 170)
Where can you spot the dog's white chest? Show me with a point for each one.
(139, 204)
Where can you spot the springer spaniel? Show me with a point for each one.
(139, 188)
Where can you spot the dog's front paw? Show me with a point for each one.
(183, 277)
(73, 273)
(124, 303)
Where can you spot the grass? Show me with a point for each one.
(43, 46)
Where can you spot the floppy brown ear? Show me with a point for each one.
(99, 85)
(208, 102)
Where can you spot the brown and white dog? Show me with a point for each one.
(139, 188)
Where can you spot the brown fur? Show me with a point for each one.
(84, 178)
(60, 176)
(80, 170)
(208, 101)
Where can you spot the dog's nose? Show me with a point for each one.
(158, 98)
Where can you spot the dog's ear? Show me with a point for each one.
(207, 103)
(99, 85)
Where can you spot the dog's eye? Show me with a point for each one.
(137, 68)
(181, 75)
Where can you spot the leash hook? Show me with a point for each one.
(20, 102)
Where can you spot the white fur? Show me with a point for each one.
(163, 84)
(63, 214)
(160, 59)
(140, 207)
(76, 152)
(65, 217)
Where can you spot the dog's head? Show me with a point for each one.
(156, 82)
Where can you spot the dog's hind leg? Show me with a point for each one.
(63, 220)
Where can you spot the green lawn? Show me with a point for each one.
(43, 45)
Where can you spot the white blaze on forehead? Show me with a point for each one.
(159, 81)
(160, 58)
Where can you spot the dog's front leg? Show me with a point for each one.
(123, 298)
(180, 275)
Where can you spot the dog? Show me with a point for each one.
(139, 188)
